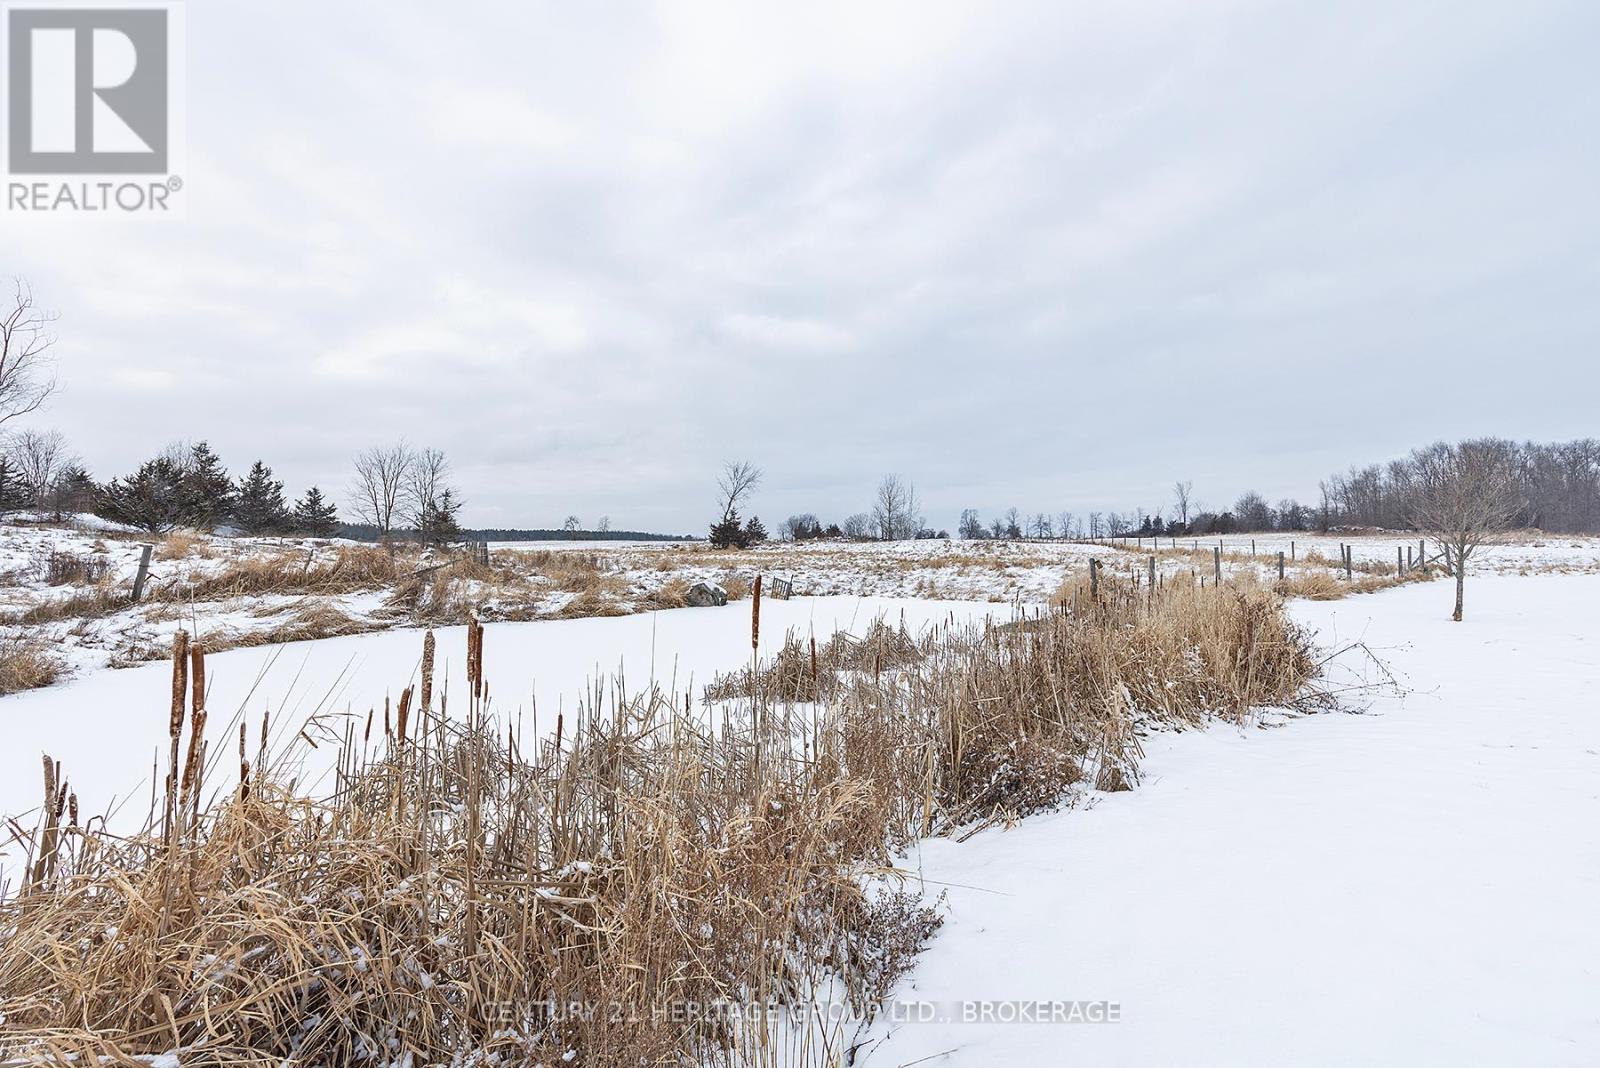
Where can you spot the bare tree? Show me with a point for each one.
(896, 512)
(1183, 493)
(858, 525)
(572, 524)
(1466, 495)
(603, 524)
(379, 488)
(425, 481)
(27, 370)
(1066, 519)
(1013, 522)
(970, 527)
(738, 480)
(39, 457)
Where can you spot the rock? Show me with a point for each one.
(705, 595)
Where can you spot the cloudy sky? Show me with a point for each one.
(1052, 255)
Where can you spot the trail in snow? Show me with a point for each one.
(1420, 884)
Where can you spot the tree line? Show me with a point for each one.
(395, 491)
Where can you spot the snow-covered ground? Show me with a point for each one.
(1416, 885)
(552, 580)
(108, 727)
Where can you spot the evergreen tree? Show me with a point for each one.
(754, 533)
(726, 533)
(437, 519)
(206, 495)
(73, 491)
(13, 494)
(149, 499)
(315, 515)
(259, 507)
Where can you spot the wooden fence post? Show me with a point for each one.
(143, 572)
(1280, 565)
(1152, 578)
(1094, 577)
(1216, 560)
(1399, 562)
(1349, 561)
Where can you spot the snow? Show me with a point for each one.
(1412, 885)
(106, 726)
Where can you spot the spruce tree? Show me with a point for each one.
(726, 533)
(754, 533)
(259, 507)
(206, 495)
(315, 515)
(148, 499)
(437, 519)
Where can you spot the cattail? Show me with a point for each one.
(755, 614)
(404, 713)
(180, 694)
(244, 767)
(195, 763)
(261, 753)
(427, 674)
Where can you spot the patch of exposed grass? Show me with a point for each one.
(26, 665)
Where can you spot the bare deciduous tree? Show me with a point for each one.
(572, 524)
(1466, 495)
(738, 480)
(39, 457)
(970, 527)
(896, 512)
(27, 371)
(858, 525)
(603, 524)
(378, 491)
(1183, 493)
(424, 482)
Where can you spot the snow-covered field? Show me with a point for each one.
(1416, 885)
(558, 580)
(107, 727)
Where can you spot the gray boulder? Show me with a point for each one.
(705, 595)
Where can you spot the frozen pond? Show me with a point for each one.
(108, 727)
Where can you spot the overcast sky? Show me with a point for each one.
(1050, 255)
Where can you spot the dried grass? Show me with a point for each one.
(26, 665)
(460, 876)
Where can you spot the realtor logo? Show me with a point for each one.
(87, 91)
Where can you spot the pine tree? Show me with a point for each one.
(13, 494)
(259, 507)
(73, 491)
(437, 519)
(206, 495)
(726, 533)
(754, 533)
(148, 499)
(315, 515)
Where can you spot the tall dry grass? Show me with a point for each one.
(463, 876)
(26, 665)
